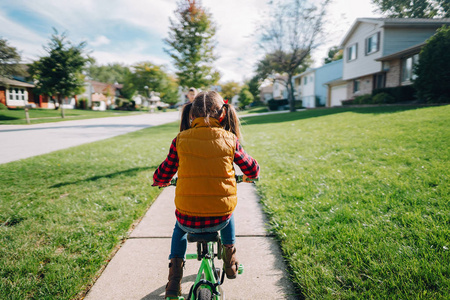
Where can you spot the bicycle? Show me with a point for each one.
(207, 285)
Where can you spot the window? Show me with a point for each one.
(379, 81)
(351, 52)
(408, 68)
(16, 94)
(305, 80)
(373, 43)
(356, 86)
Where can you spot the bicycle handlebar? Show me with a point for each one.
(239, 179)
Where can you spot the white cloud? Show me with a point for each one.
(100, 41)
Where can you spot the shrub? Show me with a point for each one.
(347, 102)
(383, 98)
(363, 99)
(298, 104)
(433, 69)
(399, 93)
(275, 104)
(3, 106)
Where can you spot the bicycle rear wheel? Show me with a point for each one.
(204, 294)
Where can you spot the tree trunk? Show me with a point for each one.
(291, 97)
(60, 104)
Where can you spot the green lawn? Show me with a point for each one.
(358, 198)
(39, 115)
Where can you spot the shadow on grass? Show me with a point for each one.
(315, 113)
(8, 118)
(129, 172)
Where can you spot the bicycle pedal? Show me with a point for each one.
(241, 269)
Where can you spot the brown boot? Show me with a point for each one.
(230, 264)
(173, 287)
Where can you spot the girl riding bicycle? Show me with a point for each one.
(203, 153)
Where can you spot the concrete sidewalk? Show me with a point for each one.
(139, 269)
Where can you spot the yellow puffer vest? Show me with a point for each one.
(206, 185)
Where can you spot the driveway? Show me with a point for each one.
(23, 141)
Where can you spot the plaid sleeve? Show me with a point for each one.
(168, 167)
(248, 165)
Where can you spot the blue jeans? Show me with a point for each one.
(179, 236)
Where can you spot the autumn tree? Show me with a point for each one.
(60, 72)
(191, 45)
(230, 89)
(414, 8)
(289, 34)
(334, 53)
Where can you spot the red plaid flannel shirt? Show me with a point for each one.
(169, 167)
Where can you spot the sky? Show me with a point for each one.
(132, 31)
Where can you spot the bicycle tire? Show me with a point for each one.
(204, 294)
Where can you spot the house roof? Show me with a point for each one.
(395, 22)
(13, 82)
(406, 52)
(337, 81)
(310, 70)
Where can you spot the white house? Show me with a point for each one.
(374, 51)
(311, 85)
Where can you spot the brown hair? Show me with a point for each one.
(210, 105)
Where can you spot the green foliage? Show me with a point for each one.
(383, 98)
(399, 93)
(59, 73)
(192, 45)
(110, 73)
(363, 99)
(433, 69)
(414, 9)
(230, 89)
(334, 53)
(358, 199)
(3, 106)
(245, 97)
(275, 104)
(253, 86)
(148, 77)
(9, 61)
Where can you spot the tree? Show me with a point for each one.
(59, 73)
(433, 69)
(292, 30)
(149, 77)
(245, 97)
(110, 73)
(191, 41)
(253, 86)
(334, 53)
(413, 8)
(9, 61)
(230, 89)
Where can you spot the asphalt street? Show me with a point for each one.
(23, 141)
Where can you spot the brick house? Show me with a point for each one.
(381, 52)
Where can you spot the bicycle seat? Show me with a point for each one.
(203, 237)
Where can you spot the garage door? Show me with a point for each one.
(338, 93)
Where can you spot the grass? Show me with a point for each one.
(62, 215)
(37, 115)
(253, 110)
(359, 199)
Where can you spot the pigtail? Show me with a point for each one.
(231, 120)
(186, 117)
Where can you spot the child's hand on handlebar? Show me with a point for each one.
(160, 184)
(248, 180)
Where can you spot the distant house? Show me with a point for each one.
(380, 52)
(15, 93)
(99, 94)
(311, 85)
(266, 93)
